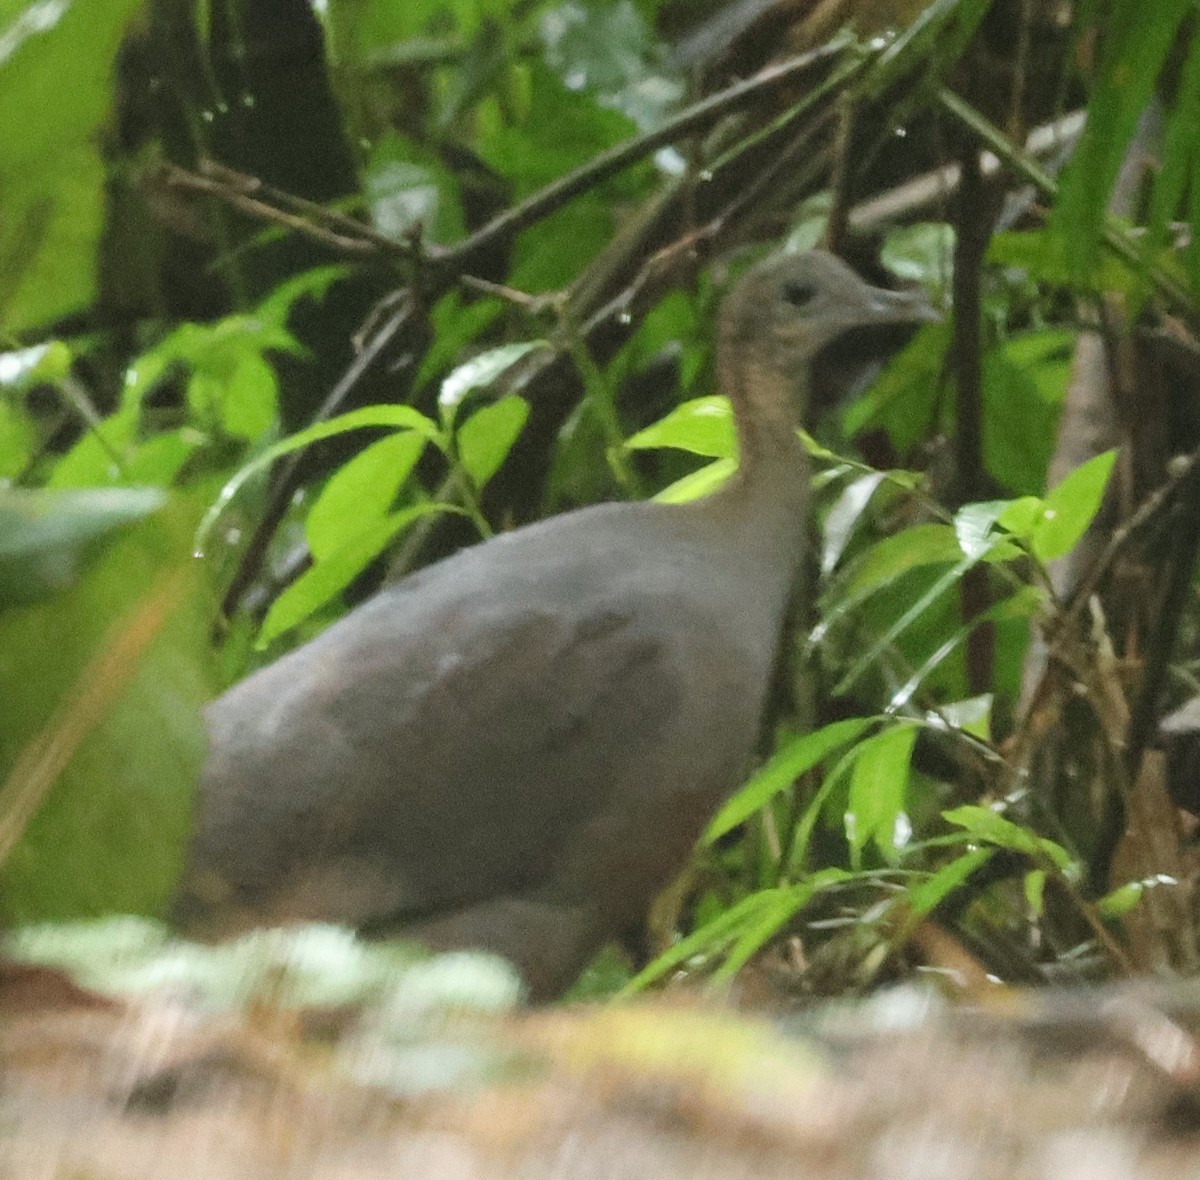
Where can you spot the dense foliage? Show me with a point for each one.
(319, 292)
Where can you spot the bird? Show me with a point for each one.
(515, 749)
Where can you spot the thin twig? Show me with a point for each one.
(256, 199)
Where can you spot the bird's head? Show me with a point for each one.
(791, 305)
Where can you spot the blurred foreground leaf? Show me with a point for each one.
(101, 735)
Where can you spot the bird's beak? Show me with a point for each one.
(899, 307)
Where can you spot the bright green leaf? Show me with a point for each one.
(361, 492)
(485, 439)
(1070, 507)
(699, 483)
(798, 757)
(1035, 891)
(991, 828)
(159, 460)
(1021, 516)
(386, 416)
(100, 456)
(322, 582)
(930, 893)
(878, 788)
(18, 438)
(249, 399)
(703, 426)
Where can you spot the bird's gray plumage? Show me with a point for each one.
(516, 748)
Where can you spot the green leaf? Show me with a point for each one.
(777, 909)
(887, 560)
(56, 68)
(23, 368)
(1043, 257)
(798, 757)
(100, 457)
(1137, 40)
(485, 439)
(479, 372)
(1021, 516)
(1180, 163)
(753, 920)
(1022, 603)
(1024, 385)
(930, 893)
(389, 417)
(249, 402)
(362, 491)
(277, 305)
(144, 375)
(454, 327)
(802, 833)
(939, 586)
(159, 461)
(408, 188)
(674, 325)
(1035, 891)
(973, 536)
(46, 537)
(1070, 507)
(879, 788)
(710, 938)
(113, 672)
(553, 254)
(322, 582)
(990, 828)
(232, 386)
(18, 439)
(906, 398)
(561, 130)
(699, 483)
(1123, 899)
(703, 426)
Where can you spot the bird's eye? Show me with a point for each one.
(798, 293)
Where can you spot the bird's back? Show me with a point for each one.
(546, 719)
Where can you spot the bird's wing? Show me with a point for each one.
(455, 765)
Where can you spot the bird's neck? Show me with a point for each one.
(769, 493)
(772, 461)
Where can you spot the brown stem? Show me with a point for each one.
(974, 227)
